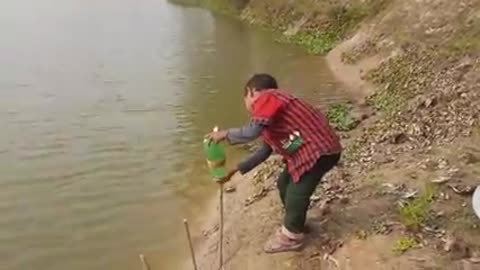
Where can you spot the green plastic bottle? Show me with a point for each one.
(215, 154)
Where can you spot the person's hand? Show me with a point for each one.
(228, 177)
(217, 136)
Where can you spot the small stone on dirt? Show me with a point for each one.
(462, 189)
(432, 101)
(457, 248)
(314, 254)
(381, 159)
(362, 235)
(441, 180)
(344, 199)
(398, 138)
(230, 189)
(469, 158)
(468, 265)
(315, 198)
(442, 164)
(410, 194)
(428, 164)
(382, 227)
(475, 260)
(450, 242)
(365, 116)
(323, 208)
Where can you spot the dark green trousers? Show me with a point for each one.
(296, 196)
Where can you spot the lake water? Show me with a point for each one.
(103, 106)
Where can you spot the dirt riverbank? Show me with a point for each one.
(402, 197)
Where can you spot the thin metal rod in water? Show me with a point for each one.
(220, 256)
(145, 265)
(192, 252)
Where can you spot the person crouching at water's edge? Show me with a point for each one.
(301, 135)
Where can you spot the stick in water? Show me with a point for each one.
(145, 265)
(192, 252)
(221, 230)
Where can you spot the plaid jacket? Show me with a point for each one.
(283, 115)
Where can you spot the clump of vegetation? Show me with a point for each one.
(465, 45)
(341, 19)
(345, 17)
(393, 76)
(340, 117)
(351, 152)
(404, 244)
(388, 100)
(313, 42)
(362, 234)
(413, 214)
(221, 6)
(401, 77)
(467, 41)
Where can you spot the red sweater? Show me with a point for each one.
(283, 114)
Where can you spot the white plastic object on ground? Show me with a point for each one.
(476, 201)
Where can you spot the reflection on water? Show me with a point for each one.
(103, 106)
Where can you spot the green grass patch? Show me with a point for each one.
(220, 6)
(345, 18)
(341, 20)
(404, 244)
(465, 41)
(313, 42)
(340, 117)
(223, 6)
(401, 78)
(351, 152)
(465, 44)
(392, 77)
(388, 100)
(413, 214)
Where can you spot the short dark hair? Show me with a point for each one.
(261, 82)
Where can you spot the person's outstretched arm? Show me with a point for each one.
(244, 134)
(259, 156)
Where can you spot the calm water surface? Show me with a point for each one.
(103, 105)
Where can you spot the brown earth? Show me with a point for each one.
(402, 197)
(356, 223)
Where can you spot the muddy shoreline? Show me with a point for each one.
(402, 197)
(246, 193)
